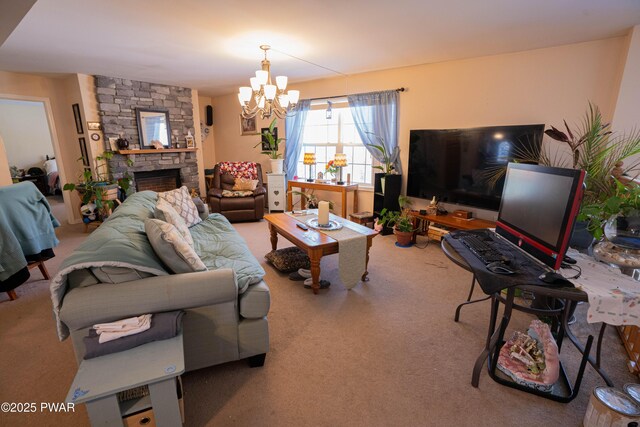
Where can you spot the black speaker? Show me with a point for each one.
(209, 115)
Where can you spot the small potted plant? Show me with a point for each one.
(274, 155)
(310, 199)
(401, 221)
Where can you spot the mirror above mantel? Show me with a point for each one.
(154, 129)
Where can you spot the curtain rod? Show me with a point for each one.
(400, 89)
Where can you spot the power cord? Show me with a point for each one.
(575, 268)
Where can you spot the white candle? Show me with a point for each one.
(323, 213)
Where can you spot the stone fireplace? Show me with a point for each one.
(118, 100)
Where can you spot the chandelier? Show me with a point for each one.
(264, 97)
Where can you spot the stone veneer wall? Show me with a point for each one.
(117, 102)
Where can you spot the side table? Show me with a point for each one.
(156, 364)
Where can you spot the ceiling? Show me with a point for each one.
(213, 46)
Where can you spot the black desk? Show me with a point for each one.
(563, 390)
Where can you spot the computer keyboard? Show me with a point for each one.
(484, 252)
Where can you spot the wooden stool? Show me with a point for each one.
(362, 218)
(43, 269)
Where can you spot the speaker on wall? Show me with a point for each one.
(209, 110)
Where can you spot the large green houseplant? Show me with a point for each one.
(100, 188)
(592, 147)
(273, 153)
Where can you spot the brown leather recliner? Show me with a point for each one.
(235, 209)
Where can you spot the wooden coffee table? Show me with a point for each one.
(285, 225)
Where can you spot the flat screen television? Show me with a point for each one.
(454, 165)
(538, 209)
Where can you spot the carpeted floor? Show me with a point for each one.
(385, 353)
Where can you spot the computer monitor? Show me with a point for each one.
(538, 209)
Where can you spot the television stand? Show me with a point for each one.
(448, 221)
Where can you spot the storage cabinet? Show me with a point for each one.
(276, 191)
(387, 197)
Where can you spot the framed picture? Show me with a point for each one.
(77, 118)
(248, 126)
(265, 143)
(83, 151)
(191, 142)
(94, 126)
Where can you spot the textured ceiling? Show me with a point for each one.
(213, 46)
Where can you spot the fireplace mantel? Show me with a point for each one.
(155, 151)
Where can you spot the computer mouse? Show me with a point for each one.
(498, 267)
(553, 277)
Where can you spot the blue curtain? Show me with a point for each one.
(376, 118)
(293, 133)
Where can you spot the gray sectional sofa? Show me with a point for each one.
(115, 274)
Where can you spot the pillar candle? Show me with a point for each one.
(323, 213)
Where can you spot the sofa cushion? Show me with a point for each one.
(109, 274)
(165, 212)
(233, 193)
(220, 246)
(255, 302)
(81, 278)
(182, 202)
(171, 247)
(239, 169)
(288, 259)
(245, 184)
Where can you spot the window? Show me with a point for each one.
(326, 137)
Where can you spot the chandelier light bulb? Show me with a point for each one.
(270, 92)
(245, 93)
(284, 101)
(261, 102)
(294, 95)
(240, 99)
(281, 82)
(262, 76)
(254, 84)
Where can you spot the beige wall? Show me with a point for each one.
(208, 144)
(55, 92)
(627, 115)
(25, 131)
(538, 86)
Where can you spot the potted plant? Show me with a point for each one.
(594, 148)
(617, 217)
(310, 199)
(274, 155)
(401, 221)
(101, 190)
(387, 165)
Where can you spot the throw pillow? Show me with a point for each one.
(171, 248)
(229, 193)
(181, 201)
(289, 259)
(165, 212)
(245, 184)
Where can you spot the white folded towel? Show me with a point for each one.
(122, 328)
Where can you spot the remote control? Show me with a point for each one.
(302, 226)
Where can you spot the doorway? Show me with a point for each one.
(31, 146)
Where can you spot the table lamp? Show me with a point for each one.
(309, 159)
(340, 161)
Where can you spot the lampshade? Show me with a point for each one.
(340, 160)
(309, 159)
